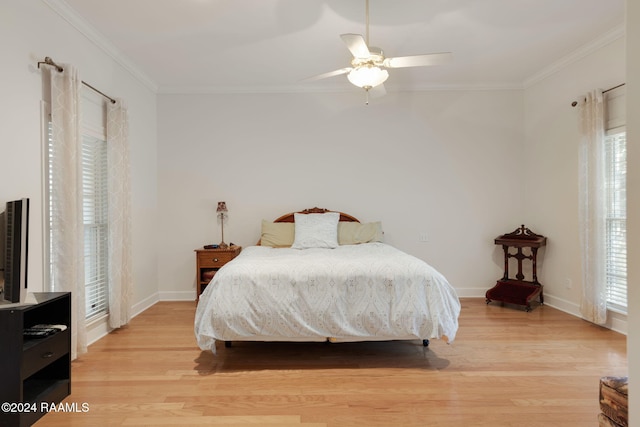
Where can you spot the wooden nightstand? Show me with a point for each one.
(208, 261)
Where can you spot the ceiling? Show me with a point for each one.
(271, 45)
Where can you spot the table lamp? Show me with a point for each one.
(222, 210)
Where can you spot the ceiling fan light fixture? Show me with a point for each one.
(368, 76)
(368, 66)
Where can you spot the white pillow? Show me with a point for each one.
(316, 230)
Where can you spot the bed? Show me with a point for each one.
(319, 275)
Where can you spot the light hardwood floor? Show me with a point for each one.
(505, 368)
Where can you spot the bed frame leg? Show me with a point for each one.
(227, 344)
(425, 343)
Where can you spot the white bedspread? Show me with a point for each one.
(366, 292)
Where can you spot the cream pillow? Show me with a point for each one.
(353, 233)
(277, 234)
(316, 230)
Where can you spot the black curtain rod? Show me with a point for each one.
(49, 61)
(574, 103)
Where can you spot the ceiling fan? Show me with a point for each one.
(368, 66)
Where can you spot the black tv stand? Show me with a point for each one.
(34, 370)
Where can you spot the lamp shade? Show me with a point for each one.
(222, 207)
(368, 76)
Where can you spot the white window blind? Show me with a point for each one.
(616, 220)
(49, 173)
(95, 220)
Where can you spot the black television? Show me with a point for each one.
(14, 251)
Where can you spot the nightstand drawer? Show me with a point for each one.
(213, 259)
(44, 351)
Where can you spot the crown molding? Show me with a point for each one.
(216, 90)
(72, 17)
(583, 51)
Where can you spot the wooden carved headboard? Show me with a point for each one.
(290, 216)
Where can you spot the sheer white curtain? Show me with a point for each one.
(119, 185)
(593, 306)
(62, 91)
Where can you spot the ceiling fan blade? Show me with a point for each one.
(418, 60)
(327, 75)
(356, 45)
(378, 91)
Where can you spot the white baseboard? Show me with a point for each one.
(616, 322)
(144, 304)
(562, 304)
(100, 327)
(177, 296)
(471, 292)
(619, 323)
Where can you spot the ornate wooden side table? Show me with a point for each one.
(518, 290)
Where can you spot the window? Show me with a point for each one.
(95, 220)
(615, 184)
(616, 220)
(94, 206)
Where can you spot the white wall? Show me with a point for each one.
(446, 163)
(633, 200)
(551, 152)
(29, 31)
